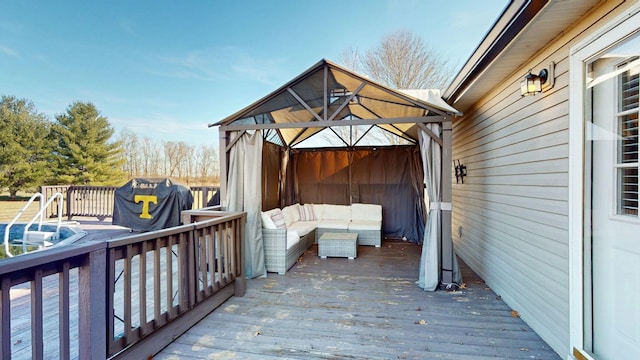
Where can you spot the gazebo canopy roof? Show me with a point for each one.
(328, 95)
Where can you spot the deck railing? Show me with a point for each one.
(121, 299)
(98, 200)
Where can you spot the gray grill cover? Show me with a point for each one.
(150, 204)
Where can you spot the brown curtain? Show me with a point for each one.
(417, 175)
(271, 163)
(322, 176)
(383, 175)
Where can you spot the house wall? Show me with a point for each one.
(511, 216)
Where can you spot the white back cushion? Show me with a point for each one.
(366, 212)
(267, 222)
(306, 212)
(291, 214)
(318, 211)
(278, 219)
(336, 212)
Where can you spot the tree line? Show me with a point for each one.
(189, 164)
(78, 147)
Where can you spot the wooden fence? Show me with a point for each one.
(98, 200)
(157, 284)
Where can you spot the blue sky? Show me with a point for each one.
(166, 69)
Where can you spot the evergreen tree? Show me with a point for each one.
(83, 151)
(25, 146)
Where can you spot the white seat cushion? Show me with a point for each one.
(365, 225)
(334, 224)
(303, 227)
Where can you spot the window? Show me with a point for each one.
(627, 139)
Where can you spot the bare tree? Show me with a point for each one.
(401, 61)
(207, 164)
(151, 157)
(173, 155)
(130, 153)
(351, 59)
(185, 165)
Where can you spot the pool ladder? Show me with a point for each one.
(38, 238)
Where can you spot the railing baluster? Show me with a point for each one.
(221, 254)
(37, 346)
(5, 318)
(63, 311)
(111, 290)
(156, 282)
(213, 264)
(233, 233)
(224, 239)
(127, 293)
(142, 286)
(201, 243)
(169, 279)
(185, 272)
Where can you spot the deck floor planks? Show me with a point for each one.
(369, 307)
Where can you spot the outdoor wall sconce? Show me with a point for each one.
(461, 171)
(533, 84)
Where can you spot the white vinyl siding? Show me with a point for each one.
(510, 220)
(513, 205)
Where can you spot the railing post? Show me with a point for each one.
(92, 309)
(45, 194)
(69, 193)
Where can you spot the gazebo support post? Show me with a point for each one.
(446, 270)
(223, 138)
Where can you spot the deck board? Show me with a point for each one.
(368, 307)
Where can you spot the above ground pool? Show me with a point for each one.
(69, 233)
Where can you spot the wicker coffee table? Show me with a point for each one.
(336, 244)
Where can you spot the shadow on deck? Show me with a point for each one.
(367, 308)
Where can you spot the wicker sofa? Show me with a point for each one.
(288, 232)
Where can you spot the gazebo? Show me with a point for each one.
(331, 135)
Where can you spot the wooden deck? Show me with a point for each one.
(367, 308)
(335, 308)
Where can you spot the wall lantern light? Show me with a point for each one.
(461, 171)
(533, 84)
